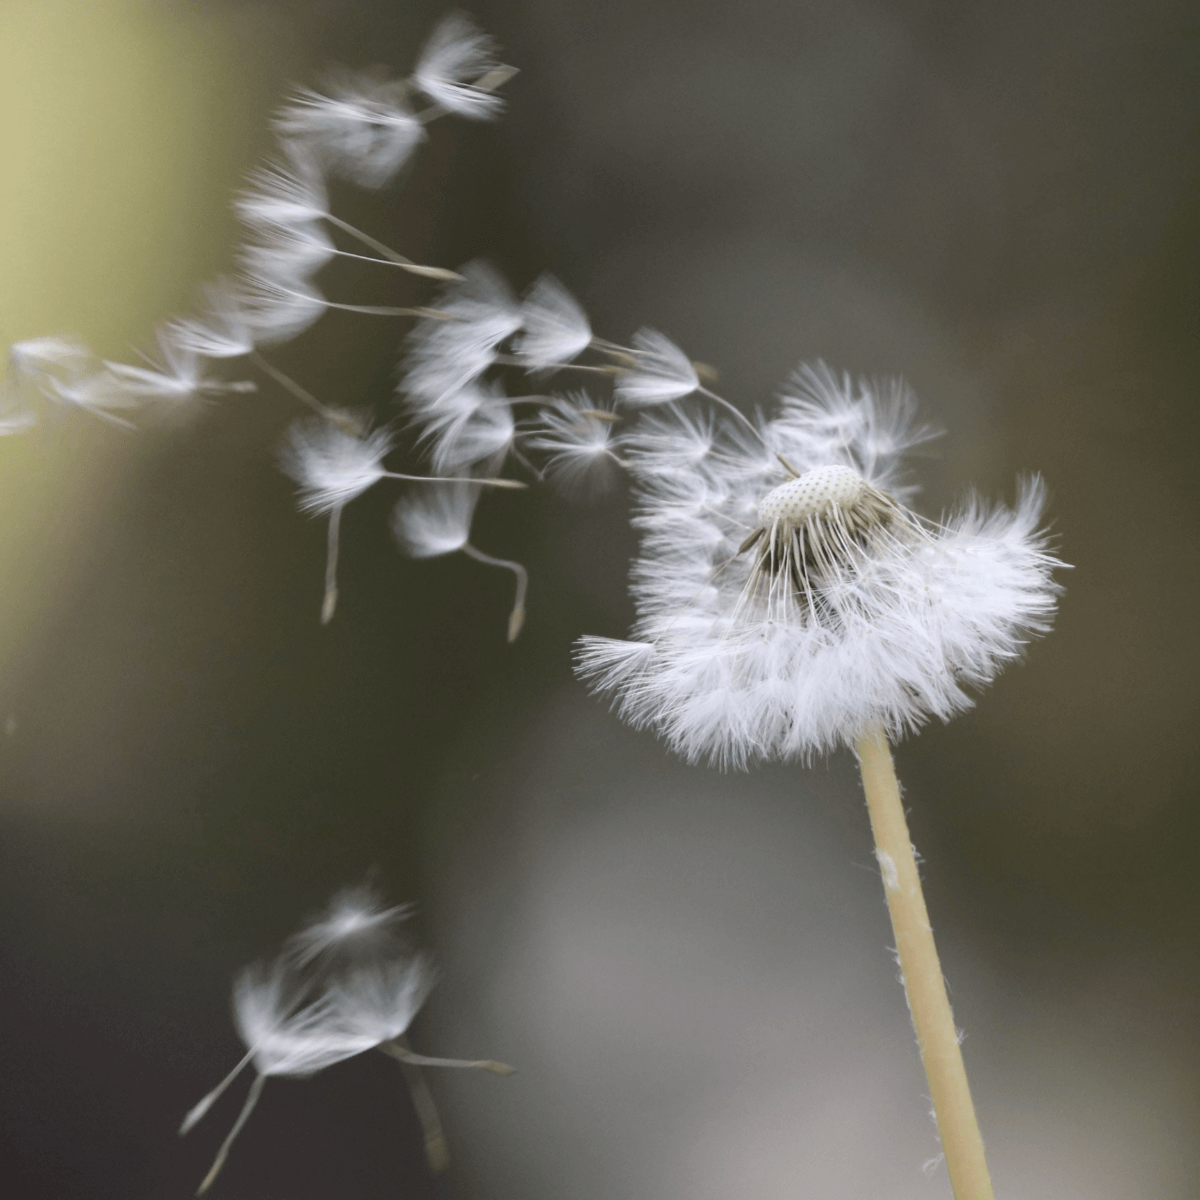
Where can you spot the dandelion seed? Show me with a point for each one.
(64, 370)
(178, 377)
(555, 329)
(346, 983)
(865, 426)
(456, 59)
(287, 252)
(64, 352)
(674, 441)
(437, 521)
(579, 442)
(278, 309)
(285, 193)
(333, 462)
(223, 332)
(450, 353)
(332, 465)
(285, 1035)
(430, 522)
(363, 128)
(661, 372)
(474, 426)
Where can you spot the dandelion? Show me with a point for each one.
(346, 983)
(789, 602)
(363, 128)
(555, 329)
(438, 521)
(458, 69)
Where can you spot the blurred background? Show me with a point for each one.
(690, 970)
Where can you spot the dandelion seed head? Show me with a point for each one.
(788, 600)
(814, 493)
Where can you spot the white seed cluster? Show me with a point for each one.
(814, 493)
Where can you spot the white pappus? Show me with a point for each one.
(347, 982)
(361, 125)
(788, 600)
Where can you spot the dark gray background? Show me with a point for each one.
(997, 202)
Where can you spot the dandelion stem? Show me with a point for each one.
(515, 619)
(397, 260)
(932, 1018)
(251, 1100)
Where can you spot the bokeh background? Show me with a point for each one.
(691, 970)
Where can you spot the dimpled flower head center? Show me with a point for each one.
(813, 531)
(813, 494)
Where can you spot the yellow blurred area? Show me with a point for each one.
(124, 124)
(118, 118)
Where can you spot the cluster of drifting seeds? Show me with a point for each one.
(347, 982)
